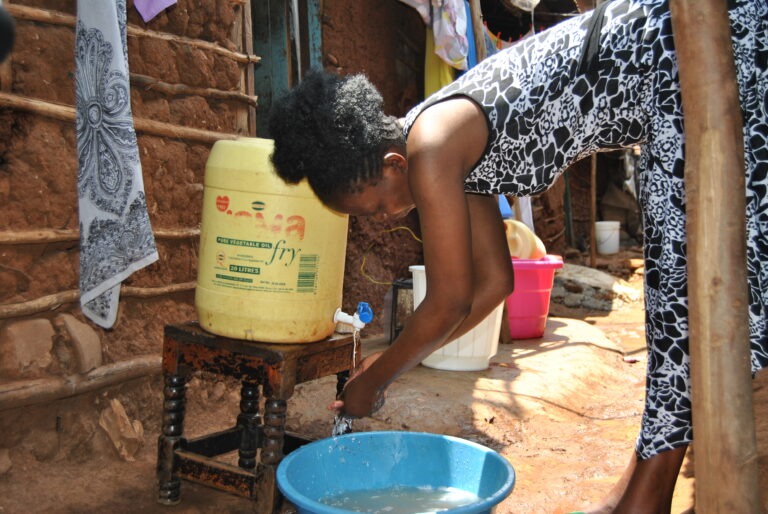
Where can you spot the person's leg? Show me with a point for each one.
(645, 486)
(608, 503)
(648, 482)
(651, 483)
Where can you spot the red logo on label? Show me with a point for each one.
(280, 225)
(222, 202)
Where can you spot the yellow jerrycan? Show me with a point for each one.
(271, 263)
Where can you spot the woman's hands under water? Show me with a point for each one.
(360, 398)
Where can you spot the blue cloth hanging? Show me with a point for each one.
(472, 50)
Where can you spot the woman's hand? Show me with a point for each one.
(359, 398)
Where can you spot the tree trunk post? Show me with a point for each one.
(725, 448)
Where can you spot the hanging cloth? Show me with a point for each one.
(437, 72)
(472, 47)
(148, 9)
(115, 234)
(448, 21)
(449, 24)
(525, 5)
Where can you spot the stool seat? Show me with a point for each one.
(273, 368)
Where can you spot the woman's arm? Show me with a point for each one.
(491, 262)
(465, 252)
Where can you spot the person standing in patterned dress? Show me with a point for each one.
(511, 125)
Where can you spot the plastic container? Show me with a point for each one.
(356, 463)
(271, 263)
(470, 352)
(528, 305)
(607, 236)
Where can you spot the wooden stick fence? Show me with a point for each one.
(45, 236)
(22, 12)
(153, 84)
(67, 113)
(53, 301)
(23, 393)
(142, 125)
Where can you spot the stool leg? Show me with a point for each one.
(269, 497)
(174, 402)
(249, 420)
(274, 432)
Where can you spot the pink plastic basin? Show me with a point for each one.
(528, 305)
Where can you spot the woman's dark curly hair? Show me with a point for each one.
(333, 131)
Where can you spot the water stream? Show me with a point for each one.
(343, 424)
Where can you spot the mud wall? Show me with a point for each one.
(186, 74)
(188, 70)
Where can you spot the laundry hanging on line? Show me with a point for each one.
(148, 9)
(448, 21)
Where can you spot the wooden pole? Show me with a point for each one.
(57, 235)
(247, 85)
(725, 448)
(24, 393)
(153, 84)
(26, 13)
(55, 300)
(242, 37)
(143, 125)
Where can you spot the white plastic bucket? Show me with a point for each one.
(607, 236)
(470, 352)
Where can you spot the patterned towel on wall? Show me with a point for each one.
(115, 235)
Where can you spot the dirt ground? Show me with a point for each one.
(564, 409)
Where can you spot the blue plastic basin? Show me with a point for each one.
(383, 460)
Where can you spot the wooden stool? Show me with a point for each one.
(276, 368)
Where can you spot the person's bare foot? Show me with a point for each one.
(645, 486)
(609, 502)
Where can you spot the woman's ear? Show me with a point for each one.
(396, 160)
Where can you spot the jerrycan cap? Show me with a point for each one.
(364, 312)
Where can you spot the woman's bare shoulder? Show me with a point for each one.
(453, 132)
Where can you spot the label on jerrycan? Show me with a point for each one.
(257, 244)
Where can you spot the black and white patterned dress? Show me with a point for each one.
(545, 112)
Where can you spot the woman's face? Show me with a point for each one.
(388, 198)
